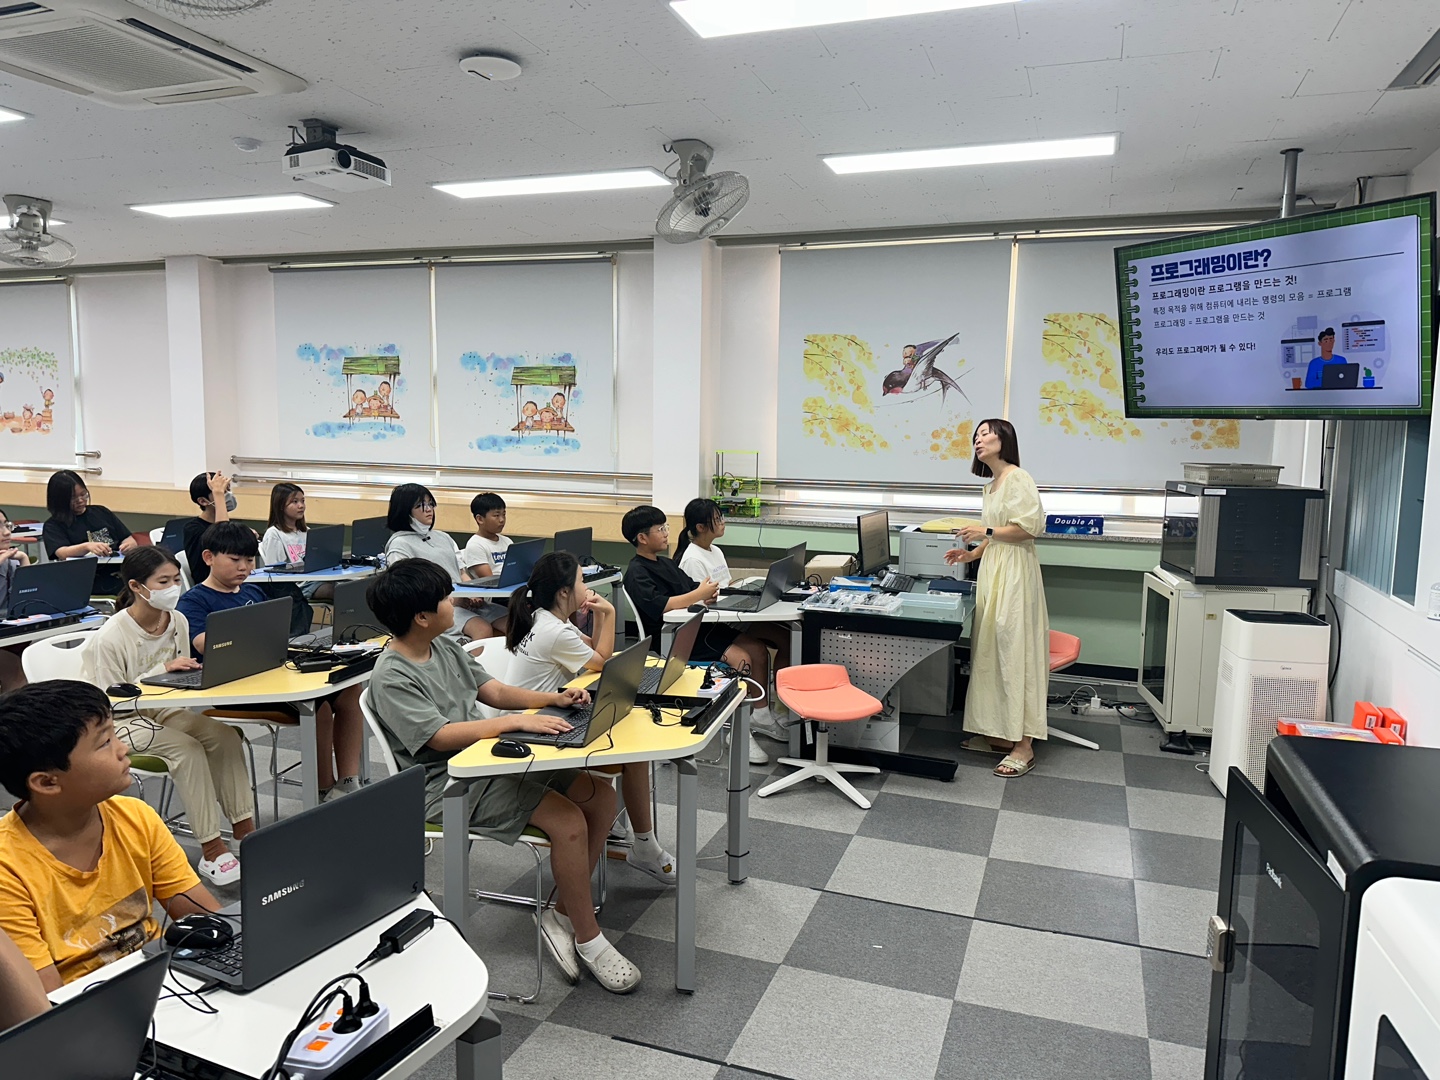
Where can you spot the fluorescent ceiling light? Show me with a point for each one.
(245, 204)
(553, 185)
(719, 18)
(6, 116)
(994, 154)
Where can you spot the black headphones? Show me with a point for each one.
(200, 932)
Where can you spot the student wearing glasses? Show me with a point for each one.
(77, 528)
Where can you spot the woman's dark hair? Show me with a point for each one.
(230, 538)
(486, 501)
(40, 726)
(280, 494)
(697, 512)
(551, 575)
(402, 500)
(58, 493)
(138, 566)
(640, 520)
(1009, 445)
(411, 587)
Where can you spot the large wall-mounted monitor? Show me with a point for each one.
(1321, 315)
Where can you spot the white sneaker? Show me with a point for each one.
(346, 786)
(223, 871)
(561, 943)
(757, 755)
(662, 869)
(613, 971)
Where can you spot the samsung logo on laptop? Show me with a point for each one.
(280, 894)
(27, 592)
(221, 645)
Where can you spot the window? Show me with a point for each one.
(1387, 497)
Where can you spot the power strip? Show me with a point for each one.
(319, 1050)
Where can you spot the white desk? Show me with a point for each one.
(278, 685)
(245, 1033)
(479, 593)
(636, 738)
(782, 611)
(335, 573)
(91, 622)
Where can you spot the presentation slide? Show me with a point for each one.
(1326, 319)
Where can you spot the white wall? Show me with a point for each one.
(635, 384)
(741, 387)
(124, 357)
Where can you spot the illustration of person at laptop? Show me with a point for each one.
(1314, 377)
(81, 865)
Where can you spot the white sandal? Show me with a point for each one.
(613, 971)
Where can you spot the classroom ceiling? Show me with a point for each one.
(1203, 93)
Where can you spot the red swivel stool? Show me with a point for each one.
(1064, 651)
(823, 695)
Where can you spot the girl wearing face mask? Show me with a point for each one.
(411, 520)
(205, 757)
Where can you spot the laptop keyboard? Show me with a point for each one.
(226, 959)
(185, 680)
(650, 682)
(894, 582)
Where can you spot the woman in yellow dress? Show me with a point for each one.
(1010, 636)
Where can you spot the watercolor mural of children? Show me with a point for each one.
(547, 417)
(357, 404)
(384, 392)
(373, 405)
(528, 413)
(48, 396)
(558, 404)
(27, 418)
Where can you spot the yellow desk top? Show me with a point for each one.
(635, 738)
(281, 684)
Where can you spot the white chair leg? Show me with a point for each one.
(853, 768)
(804, 770)
(841, 784)
(1057, 733)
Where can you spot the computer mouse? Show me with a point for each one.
(510, 748)
(124, 690)
(697, 608)
(200, 932)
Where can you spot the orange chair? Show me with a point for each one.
(1064, 651)
(823, 695)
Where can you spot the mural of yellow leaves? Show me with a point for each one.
(1084, 346)
(835, 424)
(841, 364)
(1211, 435)
(951, 443)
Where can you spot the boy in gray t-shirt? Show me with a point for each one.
(426, 692)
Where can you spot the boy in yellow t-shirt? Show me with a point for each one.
(80, 866)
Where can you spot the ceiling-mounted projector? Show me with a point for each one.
(320, 159)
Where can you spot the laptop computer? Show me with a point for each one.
(753, 585)
(239, 642)
(520, 559)
(581, 544)
(304, 887)
(324, 548)
(52, 588)
(368, 536)
(96, 1035)
(657, 680)
(352, 622)
(613, 698)
(776, 583)
(1339, 376)
(172, 537)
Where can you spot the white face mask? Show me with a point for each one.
(416, 525)
(164, 599)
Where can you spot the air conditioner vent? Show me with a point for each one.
(113, 52)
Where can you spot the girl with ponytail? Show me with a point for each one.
(696, 552)
(548, 651)
(206, 759)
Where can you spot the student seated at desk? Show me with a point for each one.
(76, 528)
(81, 866)
(228, 551)
(285, 542)
(549, 651)
(21, 995)
(427, 693)
(206, 758)
(411, 520)
(656, 585)
(11, 559)
(210, 491)
(484, 553)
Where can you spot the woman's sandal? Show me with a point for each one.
(981, 745)
(1012, 767)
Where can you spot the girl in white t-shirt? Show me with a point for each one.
(548, 651)
(696, 552)
(284, 540)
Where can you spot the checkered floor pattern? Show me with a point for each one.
(1043, 927)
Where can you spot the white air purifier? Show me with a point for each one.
(1273, 666)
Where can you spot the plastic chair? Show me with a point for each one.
(494, 658)
(532, 838)
(822, 694)
(1064, 651)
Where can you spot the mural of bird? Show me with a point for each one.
(918, 372)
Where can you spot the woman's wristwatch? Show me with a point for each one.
(989, 532)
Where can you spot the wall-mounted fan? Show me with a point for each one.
(703, 203)
(28, 241)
